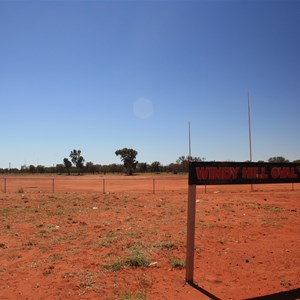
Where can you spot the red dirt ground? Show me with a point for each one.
(89, 245)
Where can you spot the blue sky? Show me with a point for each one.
(103, 75)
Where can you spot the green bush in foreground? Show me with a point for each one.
(137, 259)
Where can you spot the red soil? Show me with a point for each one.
(76, 244)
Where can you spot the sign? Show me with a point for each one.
(209, 173)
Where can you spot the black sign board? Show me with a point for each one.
(210, 173)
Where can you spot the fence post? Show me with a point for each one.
(52, 185)
(4, 185)
(153, 186)
(103, 184)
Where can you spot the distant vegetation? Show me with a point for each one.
(128, 157)
(75, 165)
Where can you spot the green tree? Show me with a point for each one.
(173, 168)
(90, 167)
(183, 162)
(40, 169)
(277, 159)
(32, 169)
(60, 168)
(155, 167)
(142, 167)
(128, 157)
(77, 159)
(68, 165)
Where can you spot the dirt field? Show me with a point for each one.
(129, 243)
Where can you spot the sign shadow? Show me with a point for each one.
(286, 295)
(204, 292)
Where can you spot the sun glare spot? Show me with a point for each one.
(143, 108)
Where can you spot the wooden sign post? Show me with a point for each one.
(213, 173)
(190, 242)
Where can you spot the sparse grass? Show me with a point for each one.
(245, 224)
(206, 225)
(133, 234)
(266, 221)
(104, 243)
(285, 283)
(134, 296)
(56, 213)
(136, 259)
(21, 190)
(221, 241)
(227, 226)
(116, 265)
(29, 245)
(269, 208)
(255, 206)
(54, 257)
(177, 263)
(274, 209)
(165, 245)
(145, 281)
(13, 257)
(5, 211)
(88, 282)
(47, 229)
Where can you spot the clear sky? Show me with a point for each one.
(103, 75)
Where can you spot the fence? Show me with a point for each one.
(104, 185)
(133, 184)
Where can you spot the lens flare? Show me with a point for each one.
(143, 108)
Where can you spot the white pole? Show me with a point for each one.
(249, 127)
(190, 150)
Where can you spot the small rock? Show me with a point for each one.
(153, 264)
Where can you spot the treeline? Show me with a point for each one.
(129, 166)
(91, 168)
